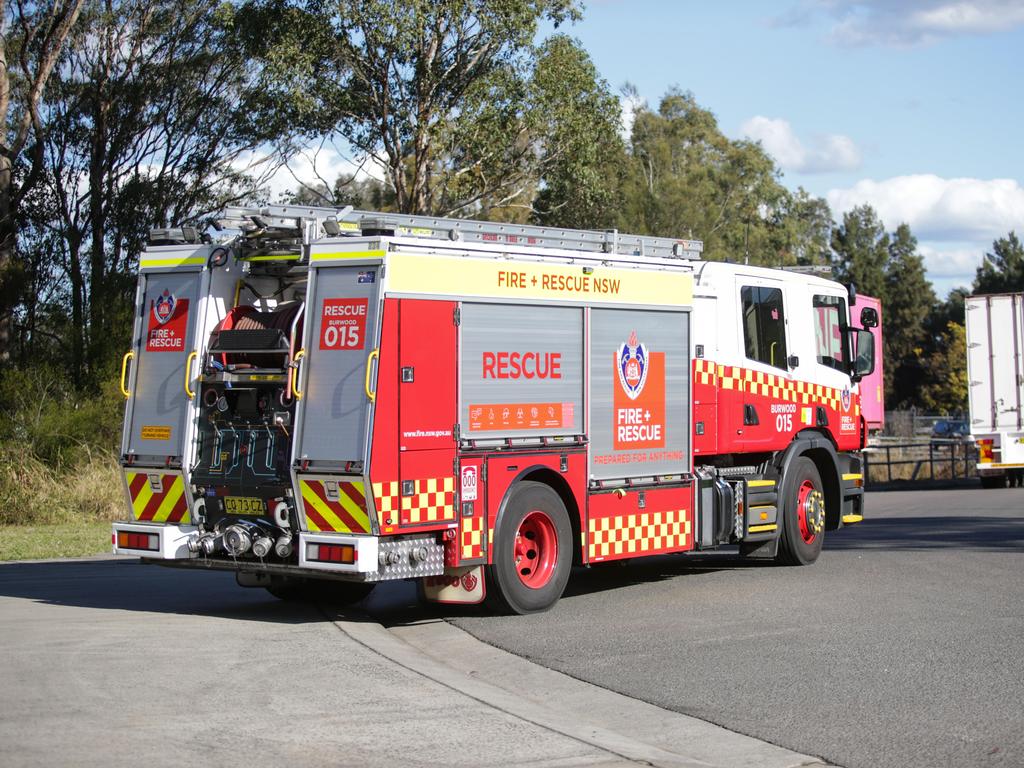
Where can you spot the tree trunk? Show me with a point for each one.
(12, 274)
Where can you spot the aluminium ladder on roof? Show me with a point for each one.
(309, 221)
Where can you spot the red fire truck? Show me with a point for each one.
(328, 399)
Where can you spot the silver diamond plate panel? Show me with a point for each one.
(405, 568)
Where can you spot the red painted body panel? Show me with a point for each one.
(384, 448)
(503, 469)
(784, 406)
(618, 527)
(427, 344)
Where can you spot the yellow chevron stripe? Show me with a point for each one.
(174, 493)
(329, 517)
(139, 502)
(352, 507)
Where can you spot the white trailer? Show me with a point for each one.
(995, 374)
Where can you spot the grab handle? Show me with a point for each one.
(124, 373)
(188, 369)
(371, 393)
(295, 374)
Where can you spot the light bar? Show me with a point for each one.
(130, 540)
(331, 553)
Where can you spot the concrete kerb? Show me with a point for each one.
(637, 732)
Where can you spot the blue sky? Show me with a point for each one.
(912, 106)
(915, 107)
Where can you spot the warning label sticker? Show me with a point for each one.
(151, 432)
(167, 323)
(493, 417)
(343, 324)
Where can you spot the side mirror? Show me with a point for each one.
(862, 346)
(793, 361)
(869, 317)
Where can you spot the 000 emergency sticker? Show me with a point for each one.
(343, 324)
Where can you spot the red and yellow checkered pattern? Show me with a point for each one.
(637, 534)
(158, 497)
(705, 372)
(472, 539)
(432, 501)
(777, 387)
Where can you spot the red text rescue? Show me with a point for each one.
(526, 365)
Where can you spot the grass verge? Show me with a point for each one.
(42, 542)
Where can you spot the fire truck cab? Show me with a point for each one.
(329, 398)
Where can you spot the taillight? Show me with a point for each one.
(331, 553)
(985, 451)
(131, 540)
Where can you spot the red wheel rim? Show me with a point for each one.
(536, 549)
(810, 511)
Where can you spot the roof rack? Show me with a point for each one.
(810, 269)
(278, 227)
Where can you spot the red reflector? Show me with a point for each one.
(147, 541)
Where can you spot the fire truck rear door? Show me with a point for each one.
(341, 335)
(167, 315)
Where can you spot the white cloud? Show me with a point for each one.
(939, 209)
(314, 164)
(955, 220)
(951, 262)
(823, 154)
(907, 22)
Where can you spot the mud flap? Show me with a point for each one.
(458, 586)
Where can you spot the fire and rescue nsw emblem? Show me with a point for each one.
(846, 398)
(638, 402)
(633, 366)
(168, 323)
(163, 307)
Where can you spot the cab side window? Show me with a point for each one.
(764, 325)
(829, 330)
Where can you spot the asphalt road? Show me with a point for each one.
(902, 646)
(112, 663)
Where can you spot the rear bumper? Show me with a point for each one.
(165, 542)
(373, 558)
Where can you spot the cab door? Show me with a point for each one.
(766, 420)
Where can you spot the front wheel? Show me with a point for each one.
(803, 514)
(533, 551)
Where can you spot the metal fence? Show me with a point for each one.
(888, 460)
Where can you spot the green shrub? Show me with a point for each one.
(58, 459)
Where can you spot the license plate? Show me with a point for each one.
(243, 505)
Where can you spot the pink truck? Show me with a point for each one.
(872, 388)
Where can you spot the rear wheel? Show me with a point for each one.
(532, 553)
(295, 589)
(993, 481)
(803, 514)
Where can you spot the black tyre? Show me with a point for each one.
(295, 589)
(532, 552)
(993, 481)
(803, 514)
